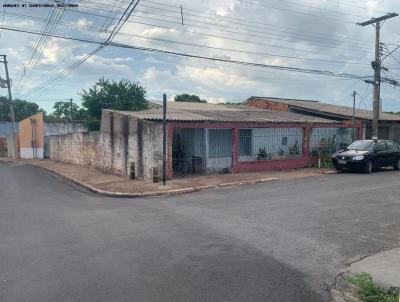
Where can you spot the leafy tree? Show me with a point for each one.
(191, 98)
(22, 109)
(105, 94)
(68, 110)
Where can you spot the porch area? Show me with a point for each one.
(201, 148)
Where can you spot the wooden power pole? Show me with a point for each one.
(12, 115)
(376, 65)
(354, 115)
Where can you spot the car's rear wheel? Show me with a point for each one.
(396, 166)
(369, 167)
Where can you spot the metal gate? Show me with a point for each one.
(3, 147)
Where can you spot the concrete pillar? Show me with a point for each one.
(206, 149)
(170, 140)
(235, 148)
(306, 141)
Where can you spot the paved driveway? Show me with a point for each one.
(282, 241)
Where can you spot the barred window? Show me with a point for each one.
(245, 142)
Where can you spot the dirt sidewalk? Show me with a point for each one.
(115, 185)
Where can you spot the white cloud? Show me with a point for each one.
(83, 22)
(274, 31)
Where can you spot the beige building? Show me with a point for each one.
(31, 136)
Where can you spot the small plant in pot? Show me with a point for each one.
(261, 155)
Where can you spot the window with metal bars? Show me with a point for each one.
(245, 142)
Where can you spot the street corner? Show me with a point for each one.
(383, 267)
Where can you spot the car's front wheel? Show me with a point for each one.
(368, 167)
(396, 166)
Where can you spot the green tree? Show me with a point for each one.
(22, 109)
(105, 94)
(191, 98)
(68, 110)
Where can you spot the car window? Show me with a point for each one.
(381, 146)
(360, 145)
(391, 146)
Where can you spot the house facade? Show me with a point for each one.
(389, 124)
(34, 134)
(202, 139)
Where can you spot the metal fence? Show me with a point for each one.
(270, 143)
(219, 153)
(196, 151)
(329, 140)
(383, 132)
(396, 134)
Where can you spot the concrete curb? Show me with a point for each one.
(330, 172)
(155, 193)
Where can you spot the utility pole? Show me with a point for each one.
(354, 115)
(164, 137)
(70, 115)
(70, 109)
(12, 115)
(376, 65)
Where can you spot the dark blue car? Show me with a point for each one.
(367, 155)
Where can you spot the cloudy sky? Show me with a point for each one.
(308, 34)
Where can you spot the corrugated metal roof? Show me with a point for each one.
(315, 106)
(199, 112)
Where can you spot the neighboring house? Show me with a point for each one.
(389, 124)
(34, 132)
(201, 139)
(6, 145)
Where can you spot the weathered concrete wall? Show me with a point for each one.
(89, 149)
(152, 148)
(56, 128)
(121, 140)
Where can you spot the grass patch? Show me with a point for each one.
(368, 291)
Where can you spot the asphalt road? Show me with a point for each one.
(281, 241)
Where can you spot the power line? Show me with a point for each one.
(222, 18)
(188, 55)
(331, 19)
(318, 8)
(128, 11)
(293, 11)
(50, 27)
(108, 20)
(358, 62)
(208, 35)
(329, 41)
(304, 34)
(213, 35)
(353, 6)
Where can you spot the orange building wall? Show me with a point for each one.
(35, 123)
